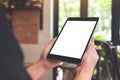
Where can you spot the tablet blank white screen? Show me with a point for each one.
(73, 39)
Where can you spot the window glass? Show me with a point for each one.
(68, 8)
(101, 9)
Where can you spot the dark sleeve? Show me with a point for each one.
(11, 58)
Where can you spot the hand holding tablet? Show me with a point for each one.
(73, 39)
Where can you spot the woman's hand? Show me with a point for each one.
(48, 63)
(85, 69)
(41, 66)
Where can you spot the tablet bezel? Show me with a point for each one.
(71, 59)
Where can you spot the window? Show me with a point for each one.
(84, 8)
(101, 9)
(96, 8)
(68, 8)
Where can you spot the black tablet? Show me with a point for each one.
(73, 39)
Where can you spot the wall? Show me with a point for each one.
(32, 51)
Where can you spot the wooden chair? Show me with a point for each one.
(111, 54)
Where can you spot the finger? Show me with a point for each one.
(92, 40)
(50, 44)
(52, 41)
(90, 45)
(48, 47)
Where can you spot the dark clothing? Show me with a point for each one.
(11, 58)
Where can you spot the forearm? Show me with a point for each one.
(36, 70)
(84, 74)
